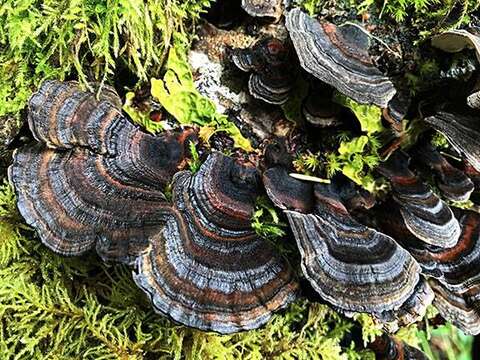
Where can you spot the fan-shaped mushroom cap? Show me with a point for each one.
(457, 40)
(457, 309)
(396, 111)
(287, 192)
(272, 75)
(339, 56)
(207, 269)
(413, 309)
(352, 266)
(61, 115)
(102, 183)
(424, 214)
(263, 8)
(454, 184)
(457, 268)
(463, 132)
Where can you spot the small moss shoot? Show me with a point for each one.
(265, 220)
(439, 141)
(194, 163)
(357, 156)
(308, 163)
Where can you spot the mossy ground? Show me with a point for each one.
(53, 307)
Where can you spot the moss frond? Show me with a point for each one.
(86, 38)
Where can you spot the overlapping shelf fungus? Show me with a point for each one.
(229, 278)
(96, 180)
(92, 179)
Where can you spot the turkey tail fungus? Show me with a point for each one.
(339, 56)
(99, 182)
(424, 213)
(272, 74)
(353, 267)
(208, 269)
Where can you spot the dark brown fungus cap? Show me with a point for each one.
(396, 111)
(287, 192)
(102, 183)
(318, 108)
(454, 184)
(412, 310)
(207, 269)
(462, 131)
(388, 347)
(63, 116)
(352, 196)
(458, 309)
(424, 214)
(263, 8)
(473, 175)
(276, 154)
(339, 56)
(270, 63)
(457, 268)
(354, 267)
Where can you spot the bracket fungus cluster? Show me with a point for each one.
(424, 213)
(270, 64)
(454, 184)
(208, 268)
(352, 266)
(95, 180)
(452, 273)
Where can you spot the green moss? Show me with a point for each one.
(194, 163)
(179, 96)
(356, 157)
(439, 141)
(265, 220)
(88, 39)
(370, 328)
(369, 116)
(308, 163)
(423, 16)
